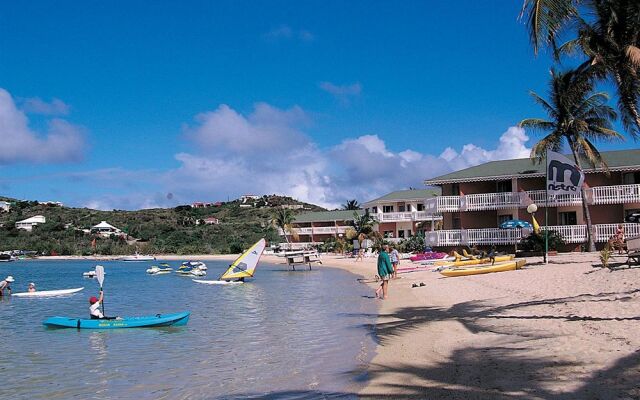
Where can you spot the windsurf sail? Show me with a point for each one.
(245, 265)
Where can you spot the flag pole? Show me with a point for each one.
(546, 208)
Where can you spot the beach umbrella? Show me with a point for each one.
(515, 224)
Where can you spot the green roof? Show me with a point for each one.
(408, 195)
(620, 160)
(326, 216)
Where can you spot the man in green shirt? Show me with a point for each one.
(385, 269)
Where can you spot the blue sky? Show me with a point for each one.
(144, 104)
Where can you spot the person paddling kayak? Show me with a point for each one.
(6, 284)
(94, 308)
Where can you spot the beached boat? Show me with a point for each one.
(473, 261)
(484, 268)
(177, 319)
(47, 293)
(7, 257)
(137, 258)
(429, 255)
(243, 267)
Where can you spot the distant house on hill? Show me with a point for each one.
(293, 206)
(248, 197)
(51, 203)
(105, 229)
(200, 204)
(29, 223)
(5, 206)
(208, 221)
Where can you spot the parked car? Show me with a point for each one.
(633, 217)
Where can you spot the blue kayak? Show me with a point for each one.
(177, 319)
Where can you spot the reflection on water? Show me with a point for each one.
(283, 334)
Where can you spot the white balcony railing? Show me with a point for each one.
(615, 194)
(321, 230)
(486, 201)
(490, 236)
(407, 216)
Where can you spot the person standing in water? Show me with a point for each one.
(385, 269)
(32, 287)
(6, 284)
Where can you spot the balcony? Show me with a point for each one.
(491, 236)
(616, 194)
(412, 216)
(321, 230)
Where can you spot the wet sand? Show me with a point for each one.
(564, 330)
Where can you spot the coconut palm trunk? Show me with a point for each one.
(585, 207)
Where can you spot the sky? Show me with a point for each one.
(129, 105)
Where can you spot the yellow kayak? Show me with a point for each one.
(484, 268)
(475, 261)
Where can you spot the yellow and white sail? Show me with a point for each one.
(245, 265)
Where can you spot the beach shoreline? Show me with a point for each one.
(562, 330)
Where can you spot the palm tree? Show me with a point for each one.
(577, 116)
(351, 205)
(606, 32)
(363, 225)
(283, 218)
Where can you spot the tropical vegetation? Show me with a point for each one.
(603, 34)
(351, 205)
(179, 230)
(578, 116)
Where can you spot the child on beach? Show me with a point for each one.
(395, 260)
(384, 271)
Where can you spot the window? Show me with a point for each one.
(409, 233)
(401, 234)
(631, 178)
(455, 189)
(503, 186)
(568, 218)
(420, 207)
(504, 218)
(387, 209)
(455, 222)
(401, 208)
(388, 234)
(374, 210)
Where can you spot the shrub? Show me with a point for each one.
(535, 241)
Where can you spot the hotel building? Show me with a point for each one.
(399, 214)
(476, 200)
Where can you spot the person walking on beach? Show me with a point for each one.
(384, 271)
(6, 284)
(360, 254)
(395, 260)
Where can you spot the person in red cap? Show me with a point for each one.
(94, 308)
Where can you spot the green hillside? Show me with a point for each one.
(156, 231)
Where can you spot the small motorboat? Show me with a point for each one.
(191, 272)
(194, 264)
(155, 270)
(138, 258)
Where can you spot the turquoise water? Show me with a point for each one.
(285, 334)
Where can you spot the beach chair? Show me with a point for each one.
(633, 251)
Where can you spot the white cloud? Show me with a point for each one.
(285, 32)
(267, 151)
(343, 93)
(512, 144)
(62, 142)
(36, 105)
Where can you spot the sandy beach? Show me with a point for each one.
(564, 330)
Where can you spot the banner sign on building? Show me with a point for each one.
(563, 176)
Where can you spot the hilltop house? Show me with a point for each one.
(5, 206)
(105, 229)
(29, 223)
(476, 200)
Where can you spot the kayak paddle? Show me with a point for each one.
(100, 278)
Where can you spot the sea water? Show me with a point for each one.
(284, 334)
